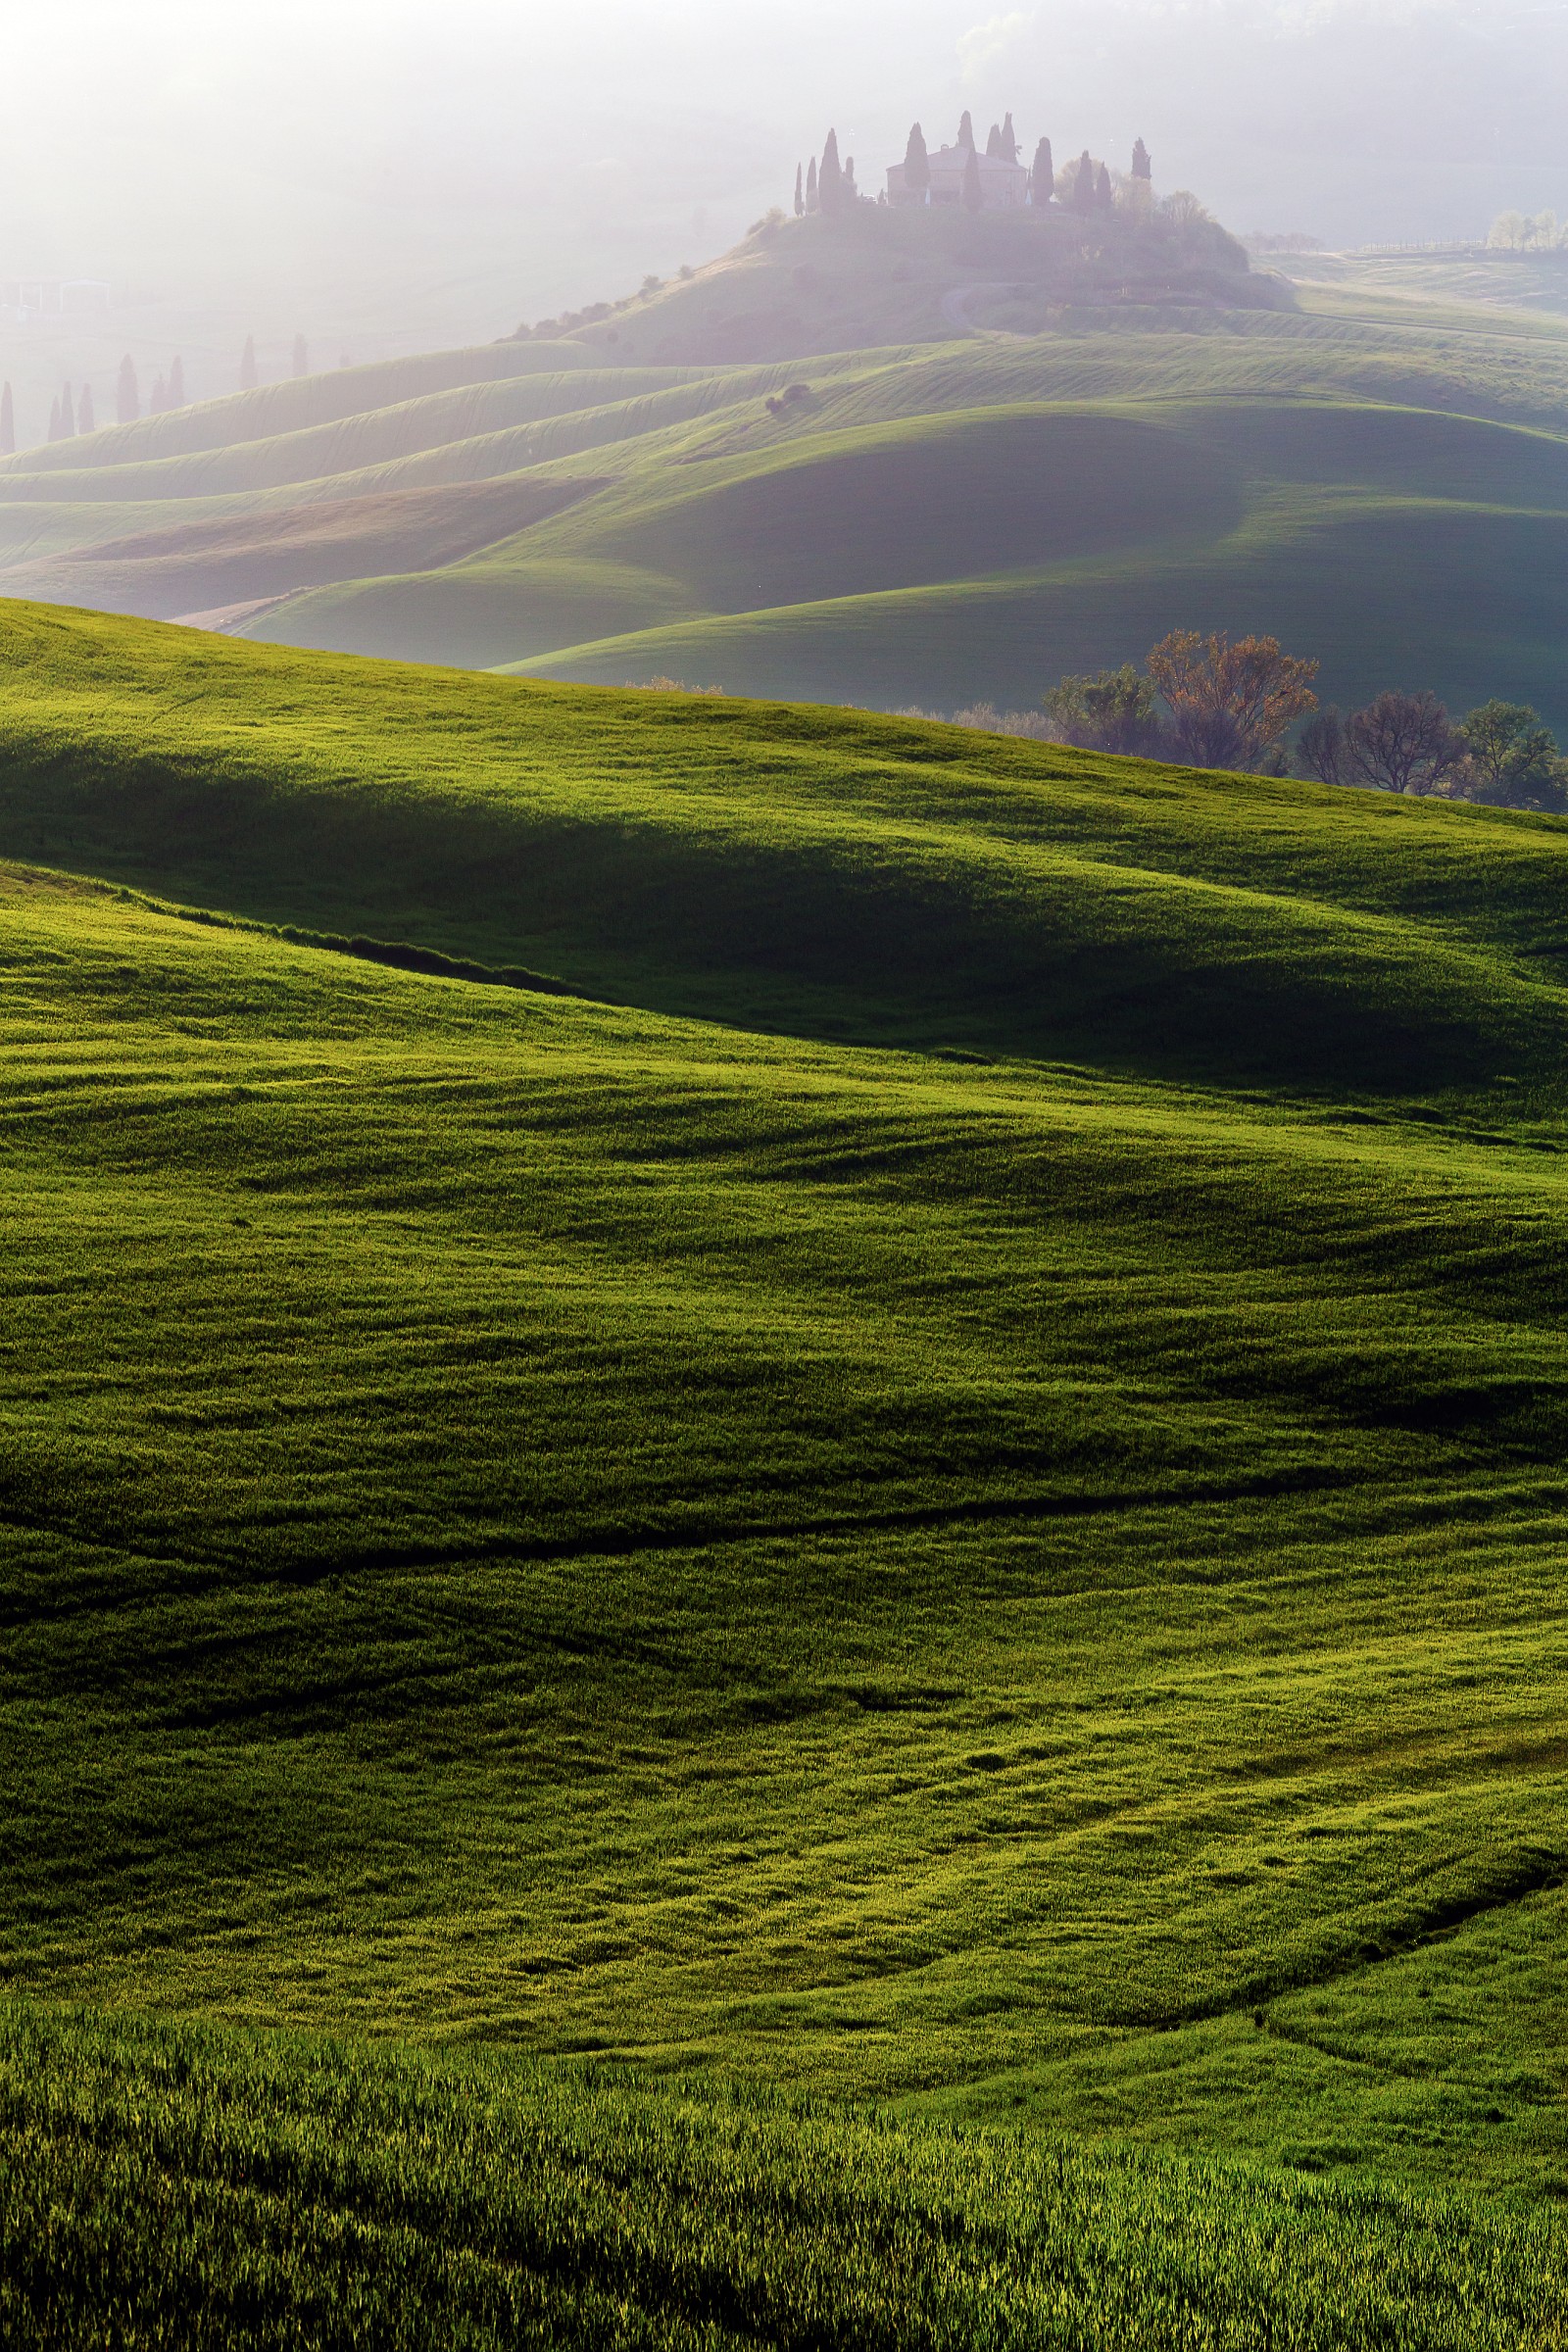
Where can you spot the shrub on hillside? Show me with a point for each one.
(1116, 711)
(1502, 752)
(1230, 706)
(1225, 706)
(987, 719)
(1513, 758)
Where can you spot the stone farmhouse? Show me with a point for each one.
(1004, 185)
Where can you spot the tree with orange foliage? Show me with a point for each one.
(1230, 704)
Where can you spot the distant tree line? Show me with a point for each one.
(1529, 232)
(1211, 704)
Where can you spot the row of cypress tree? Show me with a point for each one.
(831, 188)
(70, 415)
(67, 418)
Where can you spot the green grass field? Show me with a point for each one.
(931, 1484)
(959, 504)
(323, 2197)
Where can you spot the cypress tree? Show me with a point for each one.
(917, 164)
(993, 143)
(68, 419)
(127, 397)
(1104, 201)
(851, 194)
(86, 422)
(1143, 169)
(810, 187)
(177, 382)
(8, 425)
(967, 132)
(800, 191)
(248, 378)
(1043, 178)
(1009, 138)
(1083, 187)
(302, 356)
(830, 177)
(973, 199)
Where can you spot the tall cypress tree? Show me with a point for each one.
(1143, 169)
(68, 416)
(967, 132)
(810, 187)
(917, 164)
(993, 143)
(248, 378)
(127, 397)
(973, 198)
(177, 382)
(1009, 138)
(830, 176)
(1083, 187)
(1105, 199)
(1043, 178)
(8, 425)
(86, 422)
(799, 191)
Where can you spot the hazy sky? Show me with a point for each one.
(442, 168)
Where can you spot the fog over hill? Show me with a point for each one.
(383, 182)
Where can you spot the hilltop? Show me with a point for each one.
(891, 455)
(877, 275)
(925, 523)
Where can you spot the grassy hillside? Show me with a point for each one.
(979, 1525)
(809, 1406)
(801, 870)
(905, 459)
(313, 2196)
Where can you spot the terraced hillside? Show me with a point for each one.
(807, 1401)
(1379, 482)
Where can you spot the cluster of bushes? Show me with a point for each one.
(989, 720)
(1211, 704)
(1200, 700)
(1501, 752)
(546, 330)
(1529, 232)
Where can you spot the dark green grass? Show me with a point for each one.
(177, 2188)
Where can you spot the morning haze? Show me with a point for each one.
(783, 1097)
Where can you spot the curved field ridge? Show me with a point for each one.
(925, 522)
(848, 874)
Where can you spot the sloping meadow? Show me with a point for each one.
(944, 1487)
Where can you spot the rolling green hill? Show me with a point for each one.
(963, 458)
(894, 1435)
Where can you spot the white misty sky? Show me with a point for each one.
(459, 165)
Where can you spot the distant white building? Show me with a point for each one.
(52, 297)
(1004, 185)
